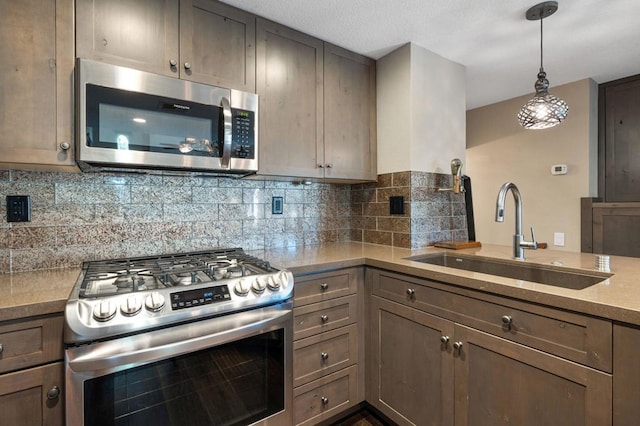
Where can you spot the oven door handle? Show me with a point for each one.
(115, 355)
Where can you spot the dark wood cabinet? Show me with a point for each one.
(32, 386)
(36, 77)
(198, 40)
(619, 140)
(409, 364)
(434, 358)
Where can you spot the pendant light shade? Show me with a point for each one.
(544, 110)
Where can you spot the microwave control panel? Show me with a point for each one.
(243, 139)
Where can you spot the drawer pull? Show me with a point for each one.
(507, 320)
(324, 286)
(457, 345)
(444, 339)
(324, 319)
(411, 292)
(324, 356)
(53, 393)
(1, 348)
(325, 400)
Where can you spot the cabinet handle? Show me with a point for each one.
(411, 292)
(444, 339)
(321, 166)
(324, 356)
(53, 393)
(325, 400)
(1, 348)
(457, 345)
(65, 146)
(173, 63)
(324, 318)
(187, 65)
(324, 286)
(507, 320)
(329, 166)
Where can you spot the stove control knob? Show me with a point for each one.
(104, 311)
(284, 279)
(258, 285)
(154, 302)
(273, 283)
(241, 288)
(131, 306)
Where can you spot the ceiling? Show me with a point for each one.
(491, 38)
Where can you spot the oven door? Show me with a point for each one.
(229, 370)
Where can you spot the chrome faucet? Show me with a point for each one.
(519, 244)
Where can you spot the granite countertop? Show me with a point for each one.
(618, 297)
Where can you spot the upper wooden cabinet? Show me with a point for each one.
(349, 115)
(289, 83)
(317, 107)
(198, 40)
(619, 146)
(36, 76)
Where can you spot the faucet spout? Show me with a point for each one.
(519, 243)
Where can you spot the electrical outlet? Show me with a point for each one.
(277, 205)
(558, 239)
(18, 208)
(396, 205)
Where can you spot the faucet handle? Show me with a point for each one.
(534, 243)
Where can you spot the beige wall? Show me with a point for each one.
(499, 150)
(421, 111)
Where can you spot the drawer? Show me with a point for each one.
(324, 316)
(327, 285)
(324, 353)
(580, 338)
(325, 397)
(30, 342)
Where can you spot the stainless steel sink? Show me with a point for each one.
(566, 278)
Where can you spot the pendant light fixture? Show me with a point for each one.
(544, 110)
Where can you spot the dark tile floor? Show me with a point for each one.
(363, 417)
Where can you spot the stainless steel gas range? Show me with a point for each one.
(201, 338)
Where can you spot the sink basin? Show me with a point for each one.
(511, 269)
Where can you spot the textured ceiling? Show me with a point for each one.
(491, 38)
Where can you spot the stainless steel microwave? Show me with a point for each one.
(127, 118)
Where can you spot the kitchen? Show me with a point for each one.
(77, 217)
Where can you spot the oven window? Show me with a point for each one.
(234, 384)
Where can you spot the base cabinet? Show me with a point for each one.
(426, 369)
(33, 396)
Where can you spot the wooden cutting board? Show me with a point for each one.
(458, 245)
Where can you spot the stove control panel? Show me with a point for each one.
(199, 296)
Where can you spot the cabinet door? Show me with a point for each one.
(28, 397)
(140, 34)
(217, 45)
(289, 82)
(349, 115)
(36, 76)
(410, 369)
(499, 382)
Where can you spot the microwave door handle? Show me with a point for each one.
(227, 133)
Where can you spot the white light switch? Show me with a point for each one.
(558, 239)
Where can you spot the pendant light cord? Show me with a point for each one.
(541, 19)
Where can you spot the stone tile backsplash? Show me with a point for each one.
(77, 217)
(429, 216)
